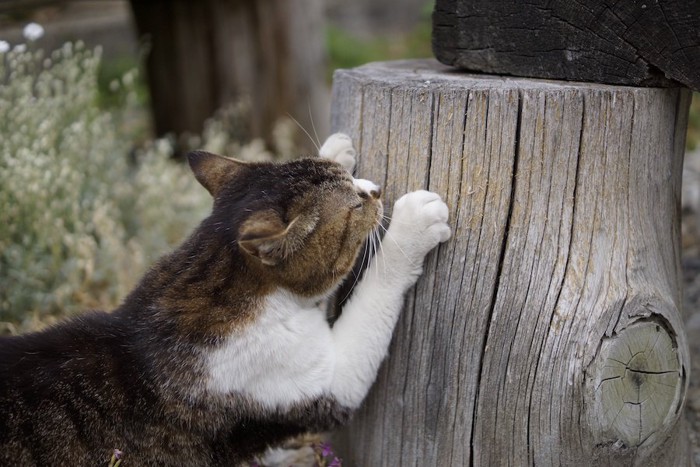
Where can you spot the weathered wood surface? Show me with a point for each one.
(645, 42)
(206, 54)
(548, 330)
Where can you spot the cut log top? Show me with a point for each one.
(639, 382)
(641, 43)
(431, 75)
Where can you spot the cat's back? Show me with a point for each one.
(47, 357)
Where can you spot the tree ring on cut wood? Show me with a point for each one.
(639, 383)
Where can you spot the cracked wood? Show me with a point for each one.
(643, 43)
(564, 205)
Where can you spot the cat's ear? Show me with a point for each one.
(213, 171)
(267, 237)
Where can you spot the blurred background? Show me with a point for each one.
(100, 99)
(275, 57)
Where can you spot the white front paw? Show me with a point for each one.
(338, 148)
(419, 224)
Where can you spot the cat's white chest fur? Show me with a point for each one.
(286, 355)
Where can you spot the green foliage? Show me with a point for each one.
(347, 51)
(79, 222)
(110, 77)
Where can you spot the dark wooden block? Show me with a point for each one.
(631, 42)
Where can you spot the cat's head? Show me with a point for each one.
(298, 224)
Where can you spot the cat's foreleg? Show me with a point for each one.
(363, 332)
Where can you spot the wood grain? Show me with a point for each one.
(647, 43)
(564, 200)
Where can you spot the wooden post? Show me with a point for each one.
(548, 330)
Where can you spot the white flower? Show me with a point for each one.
(4, 46)
(33, 31)
(21, 48)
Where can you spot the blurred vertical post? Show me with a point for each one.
(206, 54)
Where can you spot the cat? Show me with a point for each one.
(223, 348)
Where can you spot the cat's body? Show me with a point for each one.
(224, 349)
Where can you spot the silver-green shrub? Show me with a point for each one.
(79, 223)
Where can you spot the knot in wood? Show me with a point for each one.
(639, 382)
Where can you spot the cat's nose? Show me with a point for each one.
(367, 187)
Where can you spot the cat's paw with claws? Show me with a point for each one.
(419, 224)
(338, 148)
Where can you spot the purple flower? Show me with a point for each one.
(117, 454)
(326, 449)
(336, 463)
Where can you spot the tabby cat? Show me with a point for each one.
(223, 348)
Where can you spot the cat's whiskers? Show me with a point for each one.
(381, 248)
(313, 127)
(376, 243)
(387, 221)
(397, 245)
(370, 242)
(316, 145)
(356, 274)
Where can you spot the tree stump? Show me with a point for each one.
(547, 331)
